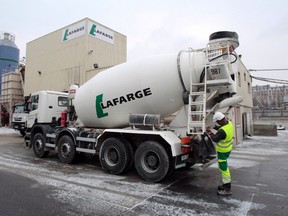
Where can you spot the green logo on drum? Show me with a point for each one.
(122, 99)
(99, 110)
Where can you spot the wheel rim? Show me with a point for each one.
(38, 146)
(65, 150)
(150, 161)
(111, 156)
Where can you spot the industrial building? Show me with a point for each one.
(269, 97)
(9, 54)
(241, 115)
(11, 76)
(270, 102)
(72, 55)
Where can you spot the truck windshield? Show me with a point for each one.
(19, 109)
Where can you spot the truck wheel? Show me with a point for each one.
(22, 132)
(115, 156)
(130, 153)
(66, 149)
(152, 161)
(39, 145)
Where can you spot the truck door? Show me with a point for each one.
(33, 110)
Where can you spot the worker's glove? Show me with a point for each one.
(208, 130)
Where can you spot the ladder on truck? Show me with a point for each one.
(197, 105)
(197, 114)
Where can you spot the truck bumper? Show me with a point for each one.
(18, 126)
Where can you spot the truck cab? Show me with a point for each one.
(19, 117)
(46, 107)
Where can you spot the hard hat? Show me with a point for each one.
(218, 116)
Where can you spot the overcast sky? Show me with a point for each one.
(164, 26)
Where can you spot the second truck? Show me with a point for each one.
(121, 113)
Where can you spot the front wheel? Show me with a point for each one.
(66, 150)
(38, 144)
(152, 161)
(22, 132)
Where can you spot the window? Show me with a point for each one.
(245, 77)
(239, 79)
(34, 102)
(62, 101)
(249, 88)
(19, 109)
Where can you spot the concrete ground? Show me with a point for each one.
(33, 186)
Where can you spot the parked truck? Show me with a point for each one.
(121, 113)
(19, 118)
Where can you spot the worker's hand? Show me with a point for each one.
(208, 130)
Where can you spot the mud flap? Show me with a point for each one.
(180, 161)
(203, 151)
(27, 142)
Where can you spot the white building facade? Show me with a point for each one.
(72, 55)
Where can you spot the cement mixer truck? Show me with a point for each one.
(150, 113)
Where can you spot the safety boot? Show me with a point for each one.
(224, 189)
(221, 187)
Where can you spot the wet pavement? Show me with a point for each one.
(33, 186)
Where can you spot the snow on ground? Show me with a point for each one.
(4, 130)
(110, 188)
(85, 187)
(255, 149)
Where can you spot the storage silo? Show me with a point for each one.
(9, 54)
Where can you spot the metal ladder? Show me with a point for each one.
(197, 105)
(197, 99)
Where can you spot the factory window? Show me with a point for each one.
(249, 88)
(239, 79)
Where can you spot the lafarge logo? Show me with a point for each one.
(94, 31)
(74, 31)
(70, 32)
(101, 32)
(101, 105)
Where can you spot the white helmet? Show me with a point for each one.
(218, 116)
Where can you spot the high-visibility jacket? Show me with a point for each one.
(226, 145)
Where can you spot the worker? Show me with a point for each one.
(224, 143)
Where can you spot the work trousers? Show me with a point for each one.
(223, 166)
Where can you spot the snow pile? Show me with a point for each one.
(4, 130)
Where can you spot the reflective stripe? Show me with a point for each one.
(226, 146)
(226, 177)
(223, 142)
